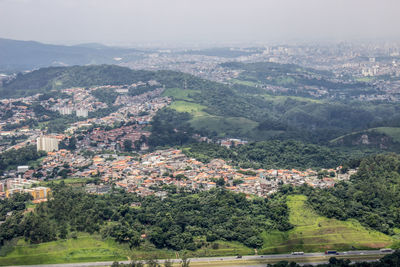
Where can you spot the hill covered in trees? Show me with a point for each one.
(221, 110)
(178, 222)
(270, 155)
(371, 196)
(25, 55)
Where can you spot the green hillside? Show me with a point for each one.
(216, 109)
(313, 232)
(372, 196)
(46, 79)
(393, 132)
(386, 138)
(291, 76)
(84, 248)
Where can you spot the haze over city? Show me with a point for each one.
(123, 22)
(200, 133)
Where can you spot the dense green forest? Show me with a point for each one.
(270, 154)
(14, 157)
(372, 196)
(45, 79)
(179, 221)
(170, 128)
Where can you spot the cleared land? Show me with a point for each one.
(179, 94)
(393, 132)
(316, 233)
(192, 108)
(226, 126)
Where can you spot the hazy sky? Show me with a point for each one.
(174, 21)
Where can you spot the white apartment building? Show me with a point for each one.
(47, 143)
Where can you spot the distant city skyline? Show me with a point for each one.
(134, 22)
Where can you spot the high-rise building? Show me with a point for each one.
(65, 110)
(82, 113)
(47, 143)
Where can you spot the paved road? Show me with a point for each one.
(286, 257)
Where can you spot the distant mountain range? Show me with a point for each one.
(26, 55)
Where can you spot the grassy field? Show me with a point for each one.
(192, 108)
(226, 126)
(90, 248)
(179, 94)
(316, 233)
(242, 82)
(83, 249)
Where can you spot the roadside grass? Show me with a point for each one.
(84, 248)
(91, 248)
(317, 233)
(225, 248)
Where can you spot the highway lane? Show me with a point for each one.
(237, 261)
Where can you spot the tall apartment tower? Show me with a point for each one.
(47, 143)
(82, 113)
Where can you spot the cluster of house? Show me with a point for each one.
(101, 139)
(80, 101)
(147, 173)
(172, 167)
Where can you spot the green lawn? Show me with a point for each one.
(85, 248)
(316, 233)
